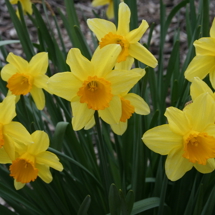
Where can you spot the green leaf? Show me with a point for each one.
(114, 200)
(145, 205)
(58, 136)
(84, 206)
(6, 42)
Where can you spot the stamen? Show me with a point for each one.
(199, 147)
(20, 84)
(96, 92)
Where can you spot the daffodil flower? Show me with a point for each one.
(10, 132)
(204, 61)
(33, 160)
(23, 77)
(107, 33)
(93, 86)
(131, 103)
(109, 11)
(26, 5)
(188, 140)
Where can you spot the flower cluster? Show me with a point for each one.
(188, 139)
(25, 152)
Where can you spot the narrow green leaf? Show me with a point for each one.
(6, 42)
(145, 205)
(114, 200)
(84, 206)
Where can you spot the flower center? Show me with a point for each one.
(20, 84)
(96, 92)
(23, 169)
(198, 147)
(1, 136)
(127, 110)
(111, 38)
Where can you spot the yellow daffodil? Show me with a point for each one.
(23, 77)
(10, 132)
(107, 33)
(204, 61)
(130, 102)
(33, 160)
(188, 140)
(109, 11)
(26, 5)
(93, 86)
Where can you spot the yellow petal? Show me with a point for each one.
(81, 115)
(39, 64)
(139, 52)
(49, 159)
(17, 62)
(14, 1)
(201, 112)
(212, 30)
(176, 165)
(18, 132)
(198, 87)
(65, 85)
(9, 147)
(41, 81)
(141, 107)
(80, 66)
(124, 15)
(44, 173)
(110, 11)
(101, 27)
(38, 97)
(122, 81)
(212, 78)
(125, 65)
(209, 167)
(162, 140)
(204, 46)
(136, 34)
(18, 185)
(90, 124)
(41, 142)
(104, 59)
(112, 114)
(4, 158)
(120, 128)
(97, 3)
(7, 110)
(8, 71)
(178, 121)
(200, 66)
(27, 6)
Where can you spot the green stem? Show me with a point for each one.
(105, 171)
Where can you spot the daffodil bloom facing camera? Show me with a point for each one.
(109, 11)
(188, 140)
(93, 86)
(23, 77)
(204, 61)
(10, 132)
(33, 160)
(107, 33)
(26, 5)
